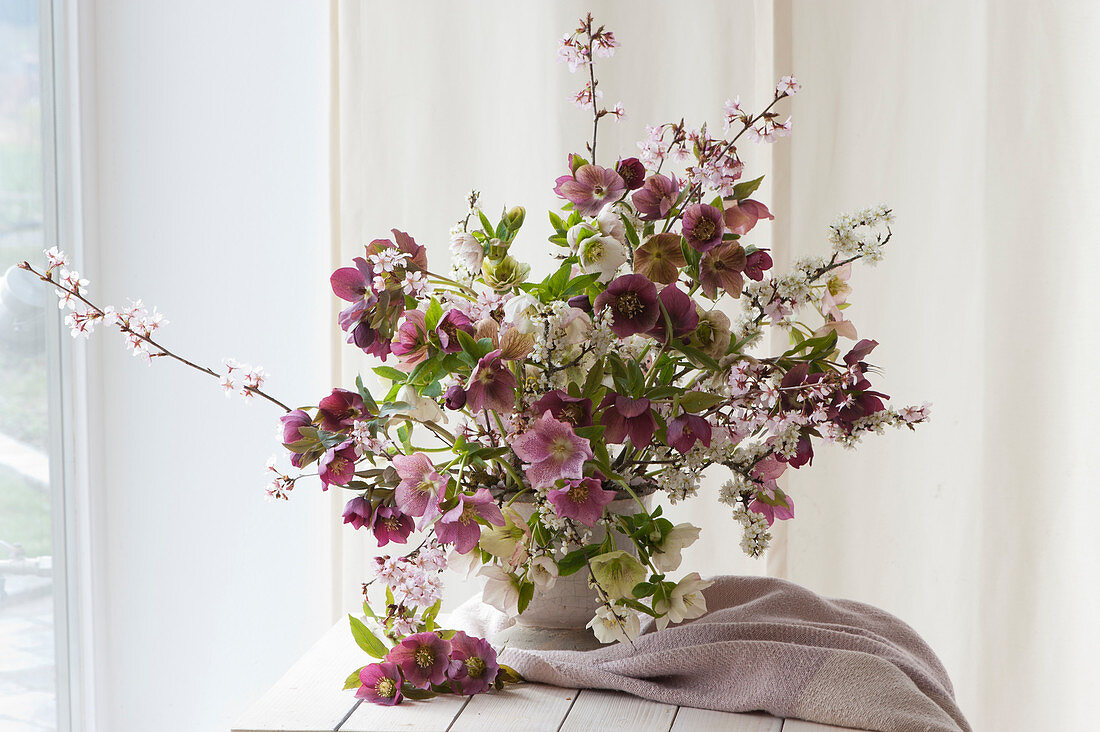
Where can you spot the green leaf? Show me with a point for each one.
(411, 692)
(574, 560)
(644, 589)
(526, 593)
(389, 372)
(557, 223)
(368, 400)
(433, 315)
(485, 224)
(366, 639)
(352, 681)
(697, 401)
(743, 190)
(367, 611)
(555, 283)
(578, 161)
(820, 345)
(509, 675)
(696, 355)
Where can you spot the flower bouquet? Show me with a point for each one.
(526, 426)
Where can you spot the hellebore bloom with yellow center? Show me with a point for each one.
(460, 525)
(477, 668)
(424, 659)
(722, 267)
(421, 486)
(552, 451)
(581, 500)
(492, 386)
(380, 684)
(633, 302)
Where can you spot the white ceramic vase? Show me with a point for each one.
(556, 618)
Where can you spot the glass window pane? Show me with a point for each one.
(28, 698)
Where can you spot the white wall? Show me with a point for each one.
(207, 146)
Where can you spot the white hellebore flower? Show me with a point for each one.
(668, 558)
(421, 409)
(602, 254)
(467, 251)
(611, 224)
(518, 312)
(543, 572)
(620, 624)
(686, 601)
(501, 589)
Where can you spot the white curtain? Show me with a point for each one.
(974, 121)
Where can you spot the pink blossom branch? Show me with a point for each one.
(162, 351)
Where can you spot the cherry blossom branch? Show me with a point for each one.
(126, 328)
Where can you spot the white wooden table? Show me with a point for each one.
(309, 699)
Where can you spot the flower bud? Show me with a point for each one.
(513, 217)
(455, 398)
(497, 249)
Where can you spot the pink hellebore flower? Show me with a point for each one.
(581, 500)
(577, 411)
(337, 465)
(421, 487)
(381, 684)
(656, 197)
(625, 417)
(741, 216)
(685, 430)
(492, 386)
(590, 188)
(410, 343)
(703, 226)
(292, 423)
(353, 283)
(447, 330)
(424, 659)
(460, 526)
(552, 451)
(770, 512)
(358, 512)
(478, 667)
(392, 525)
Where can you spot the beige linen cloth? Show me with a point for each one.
(765, 645)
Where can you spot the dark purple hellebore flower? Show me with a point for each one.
(625, 417)
(447, 330)
(681, 311)
(590, 188)
(358, 512)
(757, 263)
(478, 667)
(454, 398)
(683, 431)
(804, 453)
(859, 351)
(576, 411)
(337, 465)
(632, 172)
(340, 409)
(380, 684)
(721, 267)
(292, 423)
(390, 524)
(424, 659)
(492, 386)
(703, 226)
(581, 302)
(656, 197)
(633, 302)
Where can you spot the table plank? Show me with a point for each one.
(309, 697)
(430, 715)
(613, 710)
(530, 707)
(801, 725)
(689, 719)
